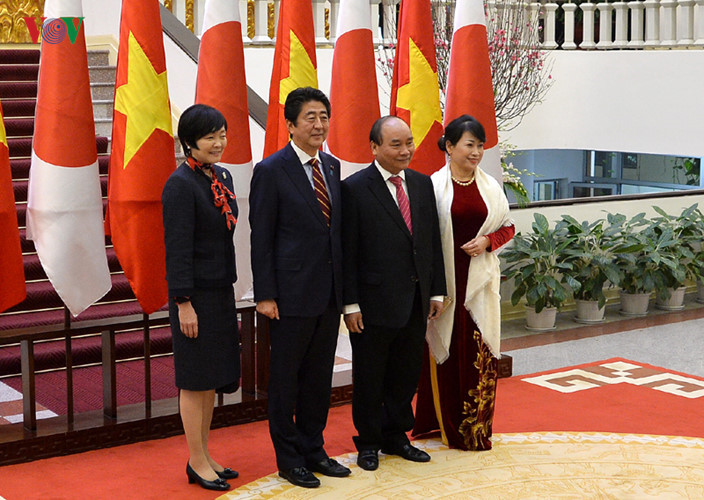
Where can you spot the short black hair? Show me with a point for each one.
(298, 97)
(456, 129)
(198, 121)
(375, 132)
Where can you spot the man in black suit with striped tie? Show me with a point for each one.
(394, 281)
(295, 215)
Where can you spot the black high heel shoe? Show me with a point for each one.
(228, 473)
(217, 485)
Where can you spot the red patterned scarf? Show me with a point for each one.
(221, 195)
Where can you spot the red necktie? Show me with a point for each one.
(402, 199)
(320, 191)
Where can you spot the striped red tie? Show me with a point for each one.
(402, 199)
(320, 191)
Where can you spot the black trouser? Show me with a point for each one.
(302, 359)
(386, 364)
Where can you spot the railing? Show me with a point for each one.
(115, 425)
(636, 24)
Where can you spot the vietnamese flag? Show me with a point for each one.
(415, 93)
(221, 66)
(142, 155)
(13, 289)
(469, 86)
(354, 99)
(294, 66)
(64, 202)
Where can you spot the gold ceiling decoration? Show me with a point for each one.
(250, 19)
(12, 26)
(189, 15)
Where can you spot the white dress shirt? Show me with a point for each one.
(305, 158)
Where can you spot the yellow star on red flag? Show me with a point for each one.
(420, 95)
(144, 100)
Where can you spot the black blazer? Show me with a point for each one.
(384, 263)
(199, 247)
(296, 258)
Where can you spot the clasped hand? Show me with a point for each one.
(476, 246)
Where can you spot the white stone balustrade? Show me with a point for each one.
(636, 23)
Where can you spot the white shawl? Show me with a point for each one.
(483, 280)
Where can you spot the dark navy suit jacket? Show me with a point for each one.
(199, 247)
(296, 258)
(384, 263)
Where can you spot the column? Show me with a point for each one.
(605, 10)
(569, 9)
(652, 23)
(244, 18)
(636, 9)
(685, 25)
(388, 27)
(668, 23)
(319, 21)
(261, 22)
(699, 26)
(334, 13)
(376, 7)
(621, 35)
(550, 42)
(588, 26)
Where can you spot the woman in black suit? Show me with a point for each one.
(199, 220)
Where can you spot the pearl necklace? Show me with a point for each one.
(462, 183)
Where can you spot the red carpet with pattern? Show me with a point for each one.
(615, 395)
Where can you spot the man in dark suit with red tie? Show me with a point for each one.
(295, 215)
(394, 281)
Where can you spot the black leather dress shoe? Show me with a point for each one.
(217, 485)
(300, 476)
(368, 459)
(227, 473)
(408, 452)
(329, 467)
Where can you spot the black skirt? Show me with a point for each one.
(212, 359)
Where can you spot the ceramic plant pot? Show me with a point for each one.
(675, 302)
(634, 304)
(588, 311)
(544, 320)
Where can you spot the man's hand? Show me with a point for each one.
(354, 323)
(268, 308)
(436, 309)
(188, 319)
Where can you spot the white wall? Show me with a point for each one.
(643, 101)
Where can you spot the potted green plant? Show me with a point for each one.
(591, 257)
(644, 255)
(535, 267)
(696, 264)
(678, 264)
